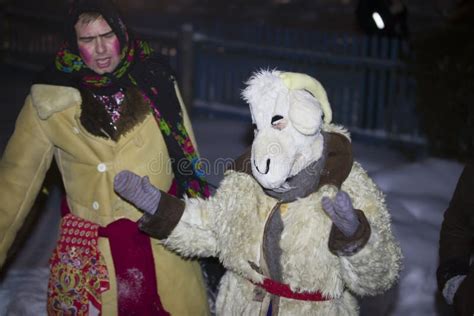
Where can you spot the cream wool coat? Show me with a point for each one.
(49, 126)
(230, 225)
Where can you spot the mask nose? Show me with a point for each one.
(267, 167)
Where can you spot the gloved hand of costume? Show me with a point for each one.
(342, 213)
(137, 190)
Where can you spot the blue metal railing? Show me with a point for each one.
(367, 80)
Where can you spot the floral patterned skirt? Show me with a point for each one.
(78, 274)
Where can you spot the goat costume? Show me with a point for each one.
(266, 222)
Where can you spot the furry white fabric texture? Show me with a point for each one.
(232, 224)
(288, 127)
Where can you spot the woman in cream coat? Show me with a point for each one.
(70, 117)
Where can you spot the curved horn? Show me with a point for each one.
(300, 81)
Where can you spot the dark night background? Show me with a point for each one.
(438, 34)
(437, 60)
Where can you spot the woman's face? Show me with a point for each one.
(98, 45)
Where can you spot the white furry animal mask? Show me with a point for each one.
(288, 122)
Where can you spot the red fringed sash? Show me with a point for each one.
(79, 275)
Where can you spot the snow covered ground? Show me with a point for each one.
(417, 192)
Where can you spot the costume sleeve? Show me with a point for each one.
(194, 225)
(194, 235)
(184, 226)
(376, 267)
(342, 245)
(25, 161)
(457, 230)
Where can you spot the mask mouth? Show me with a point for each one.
(277, 186)
(267, 174)
(285, 187)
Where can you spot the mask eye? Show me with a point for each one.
(278, 122)
(276, 118)
(255, 129)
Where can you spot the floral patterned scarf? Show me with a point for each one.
(141, 68)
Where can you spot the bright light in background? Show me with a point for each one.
(378, 20)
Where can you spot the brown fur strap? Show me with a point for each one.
(161, 224)
(338, 162)
(340, 245)
(243, 163)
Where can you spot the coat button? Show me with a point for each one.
(95, 205)
(102, 167)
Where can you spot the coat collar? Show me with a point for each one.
(49, 99)
(97, 121)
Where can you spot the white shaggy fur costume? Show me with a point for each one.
(234, 225)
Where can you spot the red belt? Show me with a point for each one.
(284, 290)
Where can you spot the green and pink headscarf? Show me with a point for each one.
(139, 67)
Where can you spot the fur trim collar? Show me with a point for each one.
(49, 99)
(97, 121)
